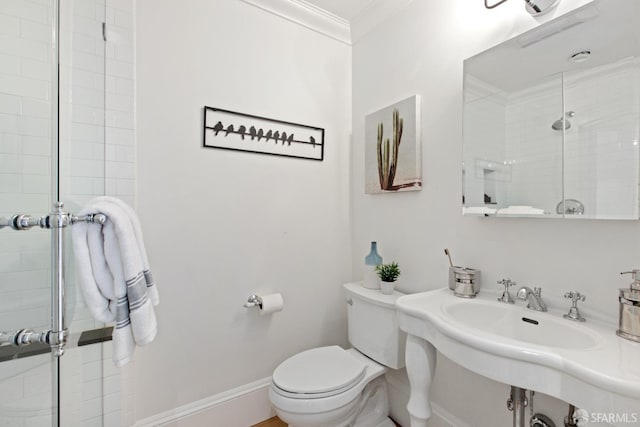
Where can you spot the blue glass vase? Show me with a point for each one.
(371, 279)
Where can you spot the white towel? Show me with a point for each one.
(114, 276)
(152, 291)
(478, 210)
(520, 210)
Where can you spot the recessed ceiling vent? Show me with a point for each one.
(558, 25)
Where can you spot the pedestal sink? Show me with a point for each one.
(585, 364)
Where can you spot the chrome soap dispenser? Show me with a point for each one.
(629, 321)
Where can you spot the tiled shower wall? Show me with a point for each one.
(601, 152)
(25, 149)
(484, 150)
(97, 90)
(100, 157)
(535, 150)
(97, 150)
(101, 137)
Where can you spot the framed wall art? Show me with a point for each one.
(392, 148)
(230, 130)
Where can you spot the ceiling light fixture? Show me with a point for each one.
(534, 7)
(581, 56)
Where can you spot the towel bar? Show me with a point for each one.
(25, 222)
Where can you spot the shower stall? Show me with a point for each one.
(66, 136)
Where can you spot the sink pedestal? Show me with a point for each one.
(420, 358)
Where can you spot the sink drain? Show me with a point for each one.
(541, 420)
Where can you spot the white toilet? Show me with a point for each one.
(333, 387)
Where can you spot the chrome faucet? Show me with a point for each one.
(533, 298)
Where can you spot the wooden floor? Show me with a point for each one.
(271, 422)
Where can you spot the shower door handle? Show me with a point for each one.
(55, 337)
(56, 221)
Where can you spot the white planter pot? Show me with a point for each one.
(387, 287)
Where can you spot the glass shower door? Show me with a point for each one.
(27, 96)
(52, 147)
(82, 154)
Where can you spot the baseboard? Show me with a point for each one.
(242, 406)
(230, 408)
(446, 417)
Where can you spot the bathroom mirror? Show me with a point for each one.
(552, 119)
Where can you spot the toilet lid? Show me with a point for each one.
(320, 370)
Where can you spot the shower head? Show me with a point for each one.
(563, 123)
(540, 7)
(534, 7)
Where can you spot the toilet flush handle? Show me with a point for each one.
(349, 301)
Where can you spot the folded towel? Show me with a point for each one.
(123, 338)
(114, 275)
(477, 210)
(152, 291)
(520, 210)
(95, 278)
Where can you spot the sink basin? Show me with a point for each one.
(512, 323)
(585, 364)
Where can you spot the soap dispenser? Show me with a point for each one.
(629, 321)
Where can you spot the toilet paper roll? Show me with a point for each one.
(271, 303)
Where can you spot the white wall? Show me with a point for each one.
(420, 50)
(220, 225)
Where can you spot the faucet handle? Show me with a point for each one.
(507, 283)
(574, 313)
(575, 296)
(537, 291)
(506, 297)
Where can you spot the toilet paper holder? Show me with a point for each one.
(253, 301)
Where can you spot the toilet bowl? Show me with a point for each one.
(332, 393)
(334, 387)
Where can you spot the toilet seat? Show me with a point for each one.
(315, 410)
(317, 373)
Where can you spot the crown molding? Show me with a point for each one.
(309, 16)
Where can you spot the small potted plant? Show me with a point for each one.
(388, 274)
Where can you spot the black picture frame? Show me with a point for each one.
(231, 130)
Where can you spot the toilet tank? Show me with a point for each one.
(373, 325)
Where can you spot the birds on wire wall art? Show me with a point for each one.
(244, 132)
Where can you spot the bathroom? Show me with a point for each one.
(221, 225)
